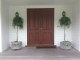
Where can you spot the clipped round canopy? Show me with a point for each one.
(65, 21)
(17, 21)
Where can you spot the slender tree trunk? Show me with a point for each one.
(64, 33)
(17, 33)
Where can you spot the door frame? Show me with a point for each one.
(28, 27)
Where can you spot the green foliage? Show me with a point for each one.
(66, 42)
(65, 21)
(18, 21)
(16, 42)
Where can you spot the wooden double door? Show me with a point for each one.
(40, 25)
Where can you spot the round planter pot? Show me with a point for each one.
(65, 45)
(16, 45)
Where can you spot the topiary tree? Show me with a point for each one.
(17, 22)
(64, 22)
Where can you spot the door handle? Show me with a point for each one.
(40, 24)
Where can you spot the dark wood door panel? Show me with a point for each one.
(33, 38)
(46, 20)
(46, 38)
(33, 21)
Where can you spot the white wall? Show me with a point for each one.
(58, 31)
(5, 25)
(76, 26)
(0, 30)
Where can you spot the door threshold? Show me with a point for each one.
(41, 45)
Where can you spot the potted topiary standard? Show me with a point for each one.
(65, 22)
(18, 23)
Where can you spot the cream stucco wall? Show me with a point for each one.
(58, 31)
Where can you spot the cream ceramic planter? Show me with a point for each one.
(66, 45)
(16, 45)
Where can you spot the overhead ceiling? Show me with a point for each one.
(40, 2)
